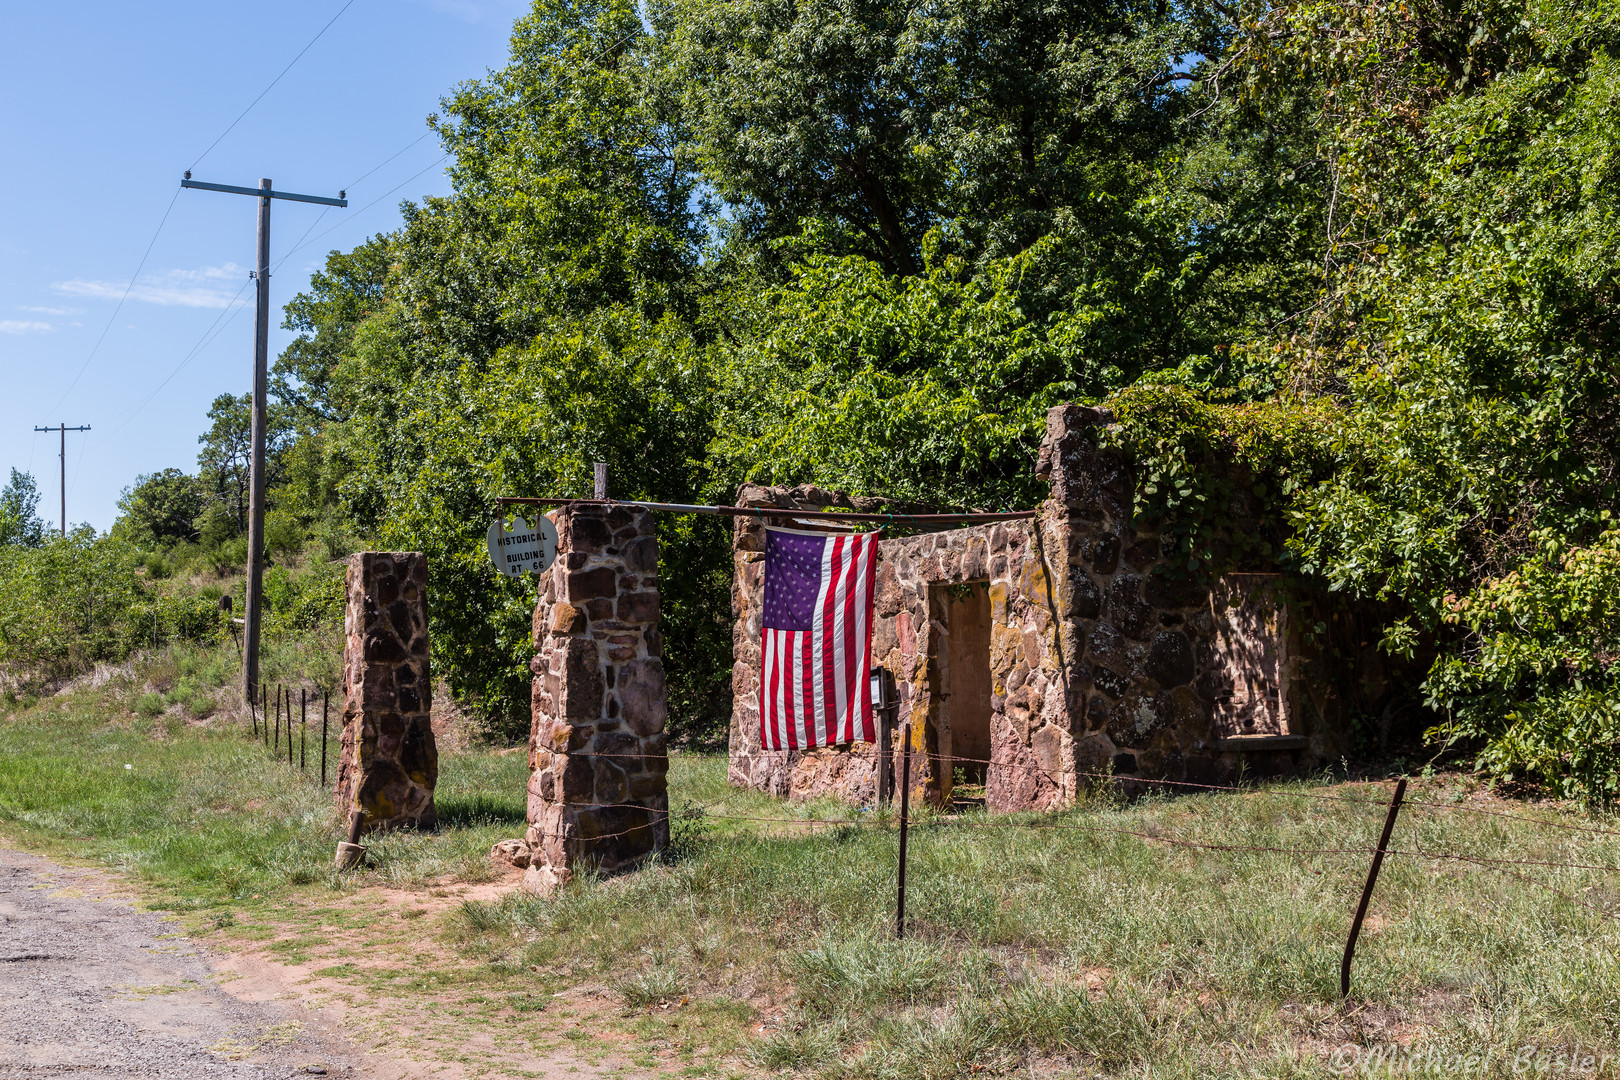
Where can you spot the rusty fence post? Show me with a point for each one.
(264, 707)
(276, 746)
(303, 725)
(326, 698)
(1367, 891)
(905, 815)
(883, 706)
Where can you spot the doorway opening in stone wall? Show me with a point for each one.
(966, 683)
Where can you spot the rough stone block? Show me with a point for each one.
(388, 764)
(638, 607)
(1170, 662)
(584, 585)
(600, 701)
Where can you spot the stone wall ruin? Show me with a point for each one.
(1091, 655)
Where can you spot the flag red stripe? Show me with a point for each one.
(857, 619)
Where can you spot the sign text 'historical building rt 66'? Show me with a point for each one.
(520, 548)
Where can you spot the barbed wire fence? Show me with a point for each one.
(1390, 800)
(281, 719)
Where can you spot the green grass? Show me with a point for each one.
(208, 814)
(764, 943)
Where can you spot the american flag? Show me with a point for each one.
(813, 687)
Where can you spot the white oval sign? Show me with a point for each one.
(519, 548)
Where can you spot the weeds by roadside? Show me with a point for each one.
(762, 941)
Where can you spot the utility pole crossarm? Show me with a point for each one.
(263, 193)
(63, 429)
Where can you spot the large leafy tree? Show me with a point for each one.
(224, 460)
(865, 245)
(340, 297)
(161, 507)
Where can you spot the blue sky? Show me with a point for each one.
(102, 108)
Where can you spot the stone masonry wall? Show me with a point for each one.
(1166, 694)
(597, 791)
(907, 638)
(1103, 659)
(388, 764)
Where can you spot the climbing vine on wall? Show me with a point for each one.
(1216, 478)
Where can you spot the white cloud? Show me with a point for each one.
(51, 310)
(23, 326)
(204, 288)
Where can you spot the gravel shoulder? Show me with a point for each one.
(93, 987)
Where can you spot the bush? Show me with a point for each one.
(65, 605)
(1539, 683)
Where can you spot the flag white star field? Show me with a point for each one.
(814, 688)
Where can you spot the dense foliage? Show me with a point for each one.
(1345, 272)
(72, 601)
(858, 246)
(1342, 269)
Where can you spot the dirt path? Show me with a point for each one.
(93, 987)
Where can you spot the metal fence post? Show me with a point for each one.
(325, 701)
(1367, 891)
(905, 815)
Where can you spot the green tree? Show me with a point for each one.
(20, 524)
(1468, 331)
(160, 508)
(340, 297)
(224, 461)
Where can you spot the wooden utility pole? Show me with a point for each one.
(261, 380)
(63, 429)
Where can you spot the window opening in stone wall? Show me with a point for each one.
(965, 675)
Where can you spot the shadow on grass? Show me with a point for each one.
(472, 811)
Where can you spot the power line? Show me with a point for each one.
(520, 104)
(120, 305)
(389, 158)
(63, 429)
(208, 337)
(300, 241)
(203, 342)
(272, 85)
(304, 240)
(364, 208)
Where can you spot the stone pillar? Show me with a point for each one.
(389, 764)
(598, 761)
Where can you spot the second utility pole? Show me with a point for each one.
(261, 357)
(64, 429)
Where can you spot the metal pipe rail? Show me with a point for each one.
(772, 511)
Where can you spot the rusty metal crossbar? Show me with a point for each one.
(772, 511)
